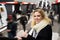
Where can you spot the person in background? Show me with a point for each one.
(40, 3)
(23, 21)
(40, 27)
(51, 17)
(14, 16)
(28, 13)
(11, 27)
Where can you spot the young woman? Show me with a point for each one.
(40, 27)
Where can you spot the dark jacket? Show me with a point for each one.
(12, 26)
(44, 34)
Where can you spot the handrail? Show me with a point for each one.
(3, 28)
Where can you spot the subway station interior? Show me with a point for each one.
(18, 7)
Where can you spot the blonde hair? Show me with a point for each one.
(42, 14)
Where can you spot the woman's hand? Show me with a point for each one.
(8, 30)
(22, 34)
(19, 38)
(25, 34)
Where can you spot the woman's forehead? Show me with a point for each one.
(37, 13)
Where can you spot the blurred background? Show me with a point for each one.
(18, 7)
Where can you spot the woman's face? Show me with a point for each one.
(37, 17)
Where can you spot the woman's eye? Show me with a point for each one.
(38, 15)
(34, 16)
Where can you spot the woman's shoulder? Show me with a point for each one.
(47, 28)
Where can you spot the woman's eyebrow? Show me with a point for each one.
(37, 15)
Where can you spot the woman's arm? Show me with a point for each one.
(29, 37)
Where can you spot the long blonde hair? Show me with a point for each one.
(42, 14)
